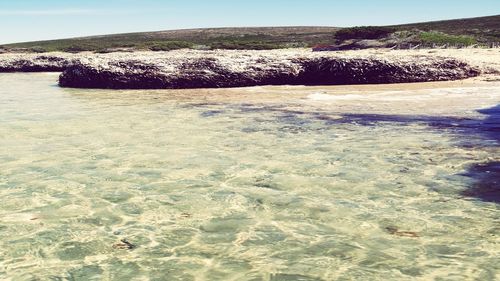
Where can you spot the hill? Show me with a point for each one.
(486, 28)
(213, 38)
(460, 31)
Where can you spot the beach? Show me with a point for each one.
(249, 140)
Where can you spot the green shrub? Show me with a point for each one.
(443, 38)
(78, 48)
(104, 51)
(38, 49)
(245, 45)
(364, 32)
(169, 45)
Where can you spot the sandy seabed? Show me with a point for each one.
(371, 182)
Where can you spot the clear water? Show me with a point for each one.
(268, 183)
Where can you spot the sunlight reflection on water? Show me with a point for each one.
(226, 186)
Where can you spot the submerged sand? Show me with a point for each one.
(374, 182)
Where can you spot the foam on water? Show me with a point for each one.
(221, 185)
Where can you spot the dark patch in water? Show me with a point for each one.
(486, 132)
(469, 133)
(293, 123)
(250, 130)
(374, 119)
(245, 108)
(200, 104)
(211, 113)
(488, 129)
(322, 116)
(487, 185)
(293, 119)
(293, 129)
(491, 124)
(393, 230)
(293, 277)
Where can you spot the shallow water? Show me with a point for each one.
(265, 183)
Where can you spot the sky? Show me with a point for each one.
(32, 20)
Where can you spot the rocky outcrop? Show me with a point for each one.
(40, 63)
(247, 68)
(217, 69)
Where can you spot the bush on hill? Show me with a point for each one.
(443, 38)
(169, 45)
(79, 48)
(364, 32)
(244, 45)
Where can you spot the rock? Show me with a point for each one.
(224, 68)
(124, 244)
(41, 63)
(395, 231)
(251, 68)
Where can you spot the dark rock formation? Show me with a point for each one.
(35, 64)
(217, 69)
(219, 72)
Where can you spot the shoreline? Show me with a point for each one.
(443, 98)
(485, 80)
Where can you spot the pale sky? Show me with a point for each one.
(30, 20)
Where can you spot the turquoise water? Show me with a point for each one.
(270, 183)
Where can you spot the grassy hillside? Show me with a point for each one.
(462, 31)
(209, 38)
(482, 28)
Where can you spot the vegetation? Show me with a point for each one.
(228, 38)
(235, 45)
(482, 28)
(78, 48)
(463, 31)
(443, 38)
(34, 49)
(246, 42)
(364, 32)
(168, 45)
